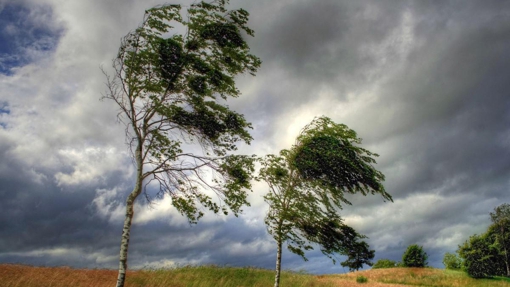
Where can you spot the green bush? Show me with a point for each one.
(481, 259)
(452, 261)
(384, 263)
(414, 256)
(361, 279)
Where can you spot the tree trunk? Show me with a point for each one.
(506, 251)
(278, 263)
(279, 238)
(506, 263)
(130, 202)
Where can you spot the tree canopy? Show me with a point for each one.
(480, 257)
(501, 230)
(414, 256)
(307, 186)
(171, 92)
(384, 263)
(486, 255)
(452, 261)
(358, 254)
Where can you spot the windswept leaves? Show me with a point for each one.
(326, 156)
(171, 90)
(307, 184)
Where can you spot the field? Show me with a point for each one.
(205, 276)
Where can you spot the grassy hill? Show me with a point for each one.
(205, 276)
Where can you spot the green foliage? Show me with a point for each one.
(302, 203)
(171, 91)
(487, 255)
(452, 261)
(384, 263)
(500, 229)
(361, 279)
(327, 158)
(358, 253)
(501, 214)
(481, 258)
(414, 256)
(307, 185)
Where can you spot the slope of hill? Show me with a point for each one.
(205, 276)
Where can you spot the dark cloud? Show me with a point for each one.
(39, 214)
(26, 30)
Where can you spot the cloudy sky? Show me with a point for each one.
(424, 83)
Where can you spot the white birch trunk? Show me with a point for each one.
(278, 263)
(279, 238)
(124, 243)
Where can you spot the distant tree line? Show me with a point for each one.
(481, 256)
(414, 256)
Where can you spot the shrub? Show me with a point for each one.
(481, 259)
(384, 263)
(361, 279)
(414, 256)
(452, 261)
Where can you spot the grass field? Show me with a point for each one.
(205, 276)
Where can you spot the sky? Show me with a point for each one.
(424, 83)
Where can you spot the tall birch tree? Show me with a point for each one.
(171, 92)
(307, 185)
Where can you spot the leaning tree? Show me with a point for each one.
(171, 91)
(308, 183)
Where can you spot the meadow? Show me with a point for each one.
(213, 276)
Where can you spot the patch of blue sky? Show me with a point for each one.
(4, 112)
(26, 32)
(4, 108)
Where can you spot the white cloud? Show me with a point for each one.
(429, 219)
(68, 254)
(91, 165)
(107, 205)
(252, 248)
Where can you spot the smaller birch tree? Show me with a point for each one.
(308, 183)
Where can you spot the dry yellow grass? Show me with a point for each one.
(210, 276)
(399, 277)
(200, 276)
(28, 276)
